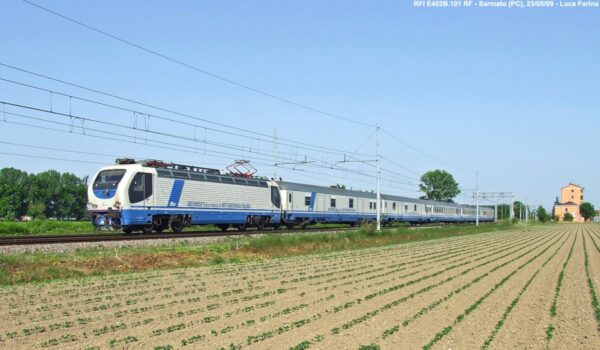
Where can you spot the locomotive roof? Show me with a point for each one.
(293, 186)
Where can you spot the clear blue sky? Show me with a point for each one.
(511, 93)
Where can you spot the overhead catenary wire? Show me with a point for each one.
(161, 144)
(142, 113)
(200, 70)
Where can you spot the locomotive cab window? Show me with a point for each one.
(140, 188)
(108, 179)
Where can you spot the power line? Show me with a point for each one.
(50, 158)
(179, 147)
(141, 113)
(422, 152)
(200, 70)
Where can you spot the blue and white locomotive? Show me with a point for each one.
(154, 196)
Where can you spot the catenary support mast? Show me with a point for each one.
(378, 205)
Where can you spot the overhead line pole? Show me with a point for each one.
(477, 198)
(378, 206)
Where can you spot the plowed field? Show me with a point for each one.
(535, 288)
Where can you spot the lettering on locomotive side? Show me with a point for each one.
(196, 204)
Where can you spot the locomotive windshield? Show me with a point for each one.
(108, 179)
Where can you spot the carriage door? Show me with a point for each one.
(290, 200)
(140, 190)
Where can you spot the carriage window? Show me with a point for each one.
(226, 180)
(306, 200)
(415, 207)
(180, 175)
(140, 188)
(351, 203)
(333, 202)
(370, 205)
(239, 181)
(405, 207)
(212, 178)
(197, 177)
(394, 206)
(290, 197)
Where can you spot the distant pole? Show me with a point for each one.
(496, 211)
(477, 198)
(275, 149)
(526, 213)
(378, 206)
(512, 208)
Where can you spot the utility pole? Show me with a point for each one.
(477, 198)
(378, 206)
(512, 208)
(496, 211)
(275, 156)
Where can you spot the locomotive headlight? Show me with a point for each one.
(117, 204)
(91, 206)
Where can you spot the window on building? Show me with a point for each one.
(333, 202)
(351, 203)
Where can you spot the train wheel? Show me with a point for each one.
(241, 227)
(260, 226)
(223, 227)
(276, 226)
(159, 229)
(289, 226)
(177, 228)
(147, 229)
(128, 230)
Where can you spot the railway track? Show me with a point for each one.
(104, 237)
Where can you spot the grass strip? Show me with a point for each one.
(40, 267)
(440, 335)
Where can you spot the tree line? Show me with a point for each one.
(48, 194)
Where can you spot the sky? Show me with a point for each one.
(510, 94)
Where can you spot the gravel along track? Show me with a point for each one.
(493, 290)
(70, 243)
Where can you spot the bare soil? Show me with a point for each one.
(487, 290)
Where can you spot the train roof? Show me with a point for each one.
(293, 186)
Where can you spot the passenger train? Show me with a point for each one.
(152, 196)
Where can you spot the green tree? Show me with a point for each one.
(13, 193)
(543, 215)
(439, 185)
(36, 210)
(587, 210)
(568, 217)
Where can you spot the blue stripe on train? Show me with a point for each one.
(313, 198)
(176, 193)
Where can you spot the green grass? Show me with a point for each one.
(39, 227)
(39, 267)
